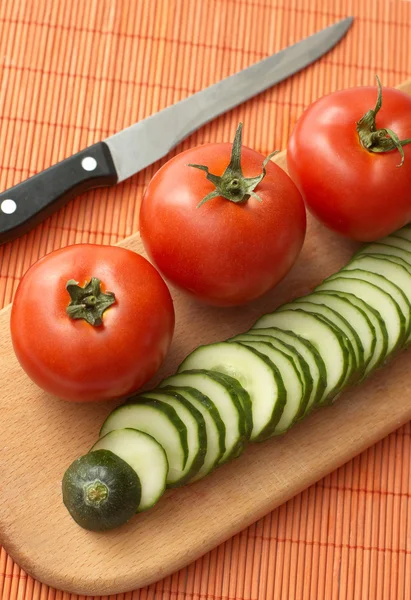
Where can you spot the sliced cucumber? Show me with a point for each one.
(404, 233)
(393, 291)
(396, 241)
(378, 299)
(225, 401)
(392, 271)
(353, 342)
(291, 377)
(308, 352)
(242, 395)
(254, 371)
(144, 455)
(386, 249)
(321, 333)
(298, 361)
(356, 316)
(381, 334)
(161, 422)
(214, 425)
(195, 424)
(101, 491)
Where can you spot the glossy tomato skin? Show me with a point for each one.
(222, 253)
(74, 360)
(360, 194)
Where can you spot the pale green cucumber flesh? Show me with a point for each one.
(292, 381)
(255, 373)
(215, 427)
(323, 336)
(161, 422)
(227, 404)
(145, 455)
(360, 285)
(196, 429)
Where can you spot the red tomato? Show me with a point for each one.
(359, 193)
(73, 359)
(222, 252)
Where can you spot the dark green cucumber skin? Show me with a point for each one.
(221, 379)
(199, 459)
(205, 401)
(124, 490)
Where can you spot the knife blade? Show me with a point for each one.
(129, 151)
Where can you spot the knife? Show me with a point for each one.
(131, 150)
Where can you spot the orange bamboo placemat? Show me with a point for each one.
(73, 72)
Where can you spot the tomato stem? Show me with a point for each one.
(379, 140)
(232, 184)
(88, 302)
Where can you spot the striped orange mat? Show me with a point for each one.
(71, 73)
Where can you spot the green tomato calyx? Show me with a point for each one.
(88, 302)
(379, 140)
(232, 184)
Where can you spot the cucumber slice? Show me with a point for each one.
(340, 321)
(404, 233)
(243, 397)
(161, 422)
(353, 342)
(397, 242)
(381, 334)
(298, 361)
(101, 491)
(354, 315)
(144, 455)
(292, 380)
(391, 289)
(386, 249)
(395, 273)
(378, 299)
(321, 333)
(215, 428)
(254, 371)
(225, 401)
(308, 352)
(195, 424)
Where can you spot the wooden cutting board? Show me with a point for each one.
(41, 436)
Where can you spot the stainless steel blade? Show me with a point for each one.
(140, 145)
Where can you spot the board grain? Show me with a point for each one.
(41, 436)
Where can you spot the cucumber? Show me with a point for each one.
(378, 299)
(144, 455)
(394, 294)
(355, 345)
(386, 249)
(161, 422)
(353, 342)
(243, 397)
(356, 316)
(404, 233)
(195, 424)
(215, 428)
(396, 242)
(292, 380)
(256, 374)
(101, 491)
(392, 271)
(225, 401)
(308, 352)
(298, 361)
(324, 336)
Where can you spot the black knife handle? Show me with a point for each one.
(33, 200)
